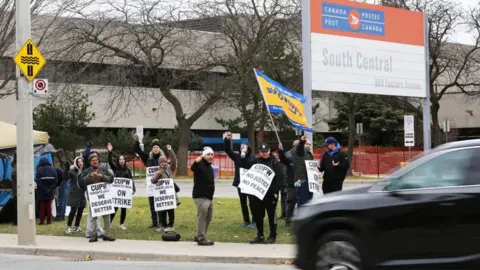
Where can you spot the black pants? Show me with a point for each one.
(269, 204)
(283, 202)
(163, 218)
(152, 212)
(244, 205)
(329, 186)
(123, 215)
(75, 211)
(291, 202)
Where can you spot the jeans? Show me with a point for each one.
(303, 194)
(62, 199)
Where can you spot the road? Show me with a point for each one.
(223, 188)
(21, 262)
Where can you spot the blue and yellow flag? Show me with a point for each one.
(282, 100)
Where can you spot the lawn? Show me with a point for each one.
(225, 226)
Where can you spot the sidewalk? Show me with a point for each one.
(226, 180)
(78, 248)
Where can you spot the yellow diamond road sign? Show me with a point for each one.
(30, 60)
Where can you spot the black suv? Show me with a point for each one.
(425, 215)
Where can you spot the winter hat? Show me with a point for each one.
(207, 150)
(155, 142)
(330, 140)
(162, 159)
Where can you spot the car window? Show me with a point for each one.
(452, 168)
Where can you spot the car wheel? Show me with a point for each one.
(338, 250)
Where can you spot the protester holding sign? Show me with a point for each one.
(76, 196)
(269, 201)
(203, 190)
(287, 160)
(166, 172)
(300, 155)
(150, 160)
(120, 170)
(94, 175)
(245, 151)
(334, 166)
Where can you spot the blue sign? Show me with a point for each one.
(351, 19)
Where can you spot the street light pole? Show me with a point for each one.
(26, 229)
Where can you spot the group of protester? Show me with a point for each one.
(290, 184)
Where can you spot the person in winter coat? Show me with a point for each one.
(300, 155)
(61, 198)
(94, 175)
(76, 196)
(46, 179)
(203, 190)
(269, 202)
(334, 166)
(121, 170)
(164, 172)
(283, 196)
(246, 151)
(150, 160)
(287, 160)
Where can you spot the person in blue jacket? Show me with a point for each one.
(244, 150)
(46, 179)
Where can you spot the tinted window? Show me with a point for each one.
(454, 168)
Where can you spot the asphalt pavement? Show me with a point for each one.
(25, 262)
(224, 188)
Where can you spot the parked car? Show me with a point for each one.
(425, 215)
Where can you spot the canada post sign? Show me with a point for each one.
(350, 19)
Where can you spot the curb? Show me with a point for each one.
(82, 255)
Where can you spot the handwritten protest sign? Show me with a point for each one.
(121, 191)
(243, 172)
(165, 196)
(149, 186)
(313, 176)
(100, 200)
(257, 181)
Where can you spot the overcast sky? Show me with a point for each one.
(462, 35)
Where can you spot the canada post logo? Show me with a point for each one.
(351, 19)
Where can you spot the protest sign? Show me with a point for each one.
(313, 176)
(165, 196)
(243, 172)
(149, 186)
(100, 200)
(257, 180)
(121, 191)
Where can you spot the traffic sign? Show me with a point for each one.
(40, 86)
(29, 60)
(409, 130)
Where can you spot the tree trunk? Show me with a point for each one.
(436, 132)
(351, 130)
(182, 157)
(251, 135)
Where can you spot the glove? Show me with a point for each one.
(298, 183)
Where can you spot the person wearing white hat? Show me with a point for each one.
(203, 190)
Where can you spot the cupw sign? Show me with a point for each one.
(40, 86)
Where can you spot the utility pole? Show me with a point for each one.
(26, 229)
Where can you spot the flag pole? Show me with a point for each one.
(266, 104)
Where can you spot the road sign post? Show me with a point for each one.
(359, 133)
(26, 63)
(446, 129)
(409, 133)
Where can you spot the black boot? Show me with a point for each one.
(93, 238)
(271, 240)
(258, 240)
(108, 238)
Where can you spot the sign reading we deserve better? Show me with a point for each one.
(313, 176)
(121, 191)
(364, 48)
(165, 196)
(257, 181)
(100, 199)
(149, 186)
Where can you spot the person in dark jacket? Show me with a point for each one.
(334, 166)
(203, 190)
(120, 170)
(300, 155)
(150, 160)
(245, 150)
(62, 191)
(287, 160)
(46, 179)
(76, 197)
(283, 178)
(269, 202)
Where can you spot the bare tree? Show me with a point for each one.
(142, 45)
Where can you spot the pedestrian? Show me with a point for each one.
(61, 191)
(269, 202)
(334, 166)
(203, 190)
(290, 190)
(120, 170)
(150, 160)
(94, 175)
(283, 177)
(166, 171)
(245, 151)
(46, 179)
(301, 154)
(76, 197)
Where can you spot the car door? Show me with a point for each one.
(421, 208)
